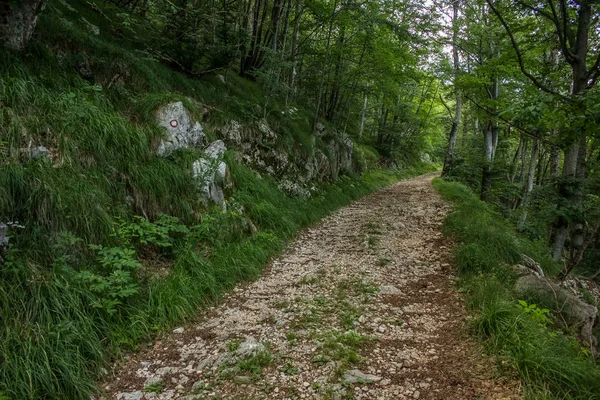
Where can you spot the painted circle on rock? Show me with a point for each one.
(173, 123)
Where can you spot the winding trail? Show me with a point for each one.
(361, 306)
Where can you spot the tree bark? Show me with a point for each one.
(363, 115)
(325, 59)
(529, 185)
(459, 103)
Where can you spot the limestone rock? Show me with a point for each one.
(346, 158)
(138, 395)
(211, 172)
(232, 133)
(576, 313)
(319, 129)
(267, 134)
(153, 380)
(249, 348)
(17, 22)
(356, 376)
(40, 152)
(181, 129)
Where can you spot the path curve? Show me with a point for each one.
(363, 305)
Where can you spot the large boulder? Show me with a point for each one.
(576, 313)
(18, 20)
(182, 131)
(211, 173)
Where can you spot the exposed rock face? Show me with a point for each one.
(181, 130)
(211, 172)
(18, 20)
(296, 170)
(578, 314)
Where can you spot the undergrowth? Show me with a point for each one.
(550, 364)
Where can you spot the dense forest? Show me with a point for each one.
(112, 232)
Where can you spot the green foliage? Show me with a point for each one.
(539, 315)
(115, 283)
(550, 364)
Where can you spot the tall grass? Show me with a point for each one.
(551, 365)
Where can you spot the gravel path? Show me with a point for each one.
(361, 306)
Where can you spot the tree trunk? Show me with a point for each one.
(513, 165)
(554, 162)
(17, 22)
(325, 59)
(488, 145)
(574, 164)
(363, 115)
(561, 224)
(529, 185)
(293, 50)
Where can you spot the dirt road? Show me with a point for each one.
(361, 306)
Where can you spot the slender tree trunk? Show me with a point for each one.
(448, 159)
(554, 162)
(363, 115)
(325, 59)
(529, 185)
(293, 50)
(488, 144)
(513, 165)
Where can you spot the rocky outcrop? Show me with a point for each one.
(260, 147)
(211, 173)
(576, 313)
(18, 20)
(181, 130)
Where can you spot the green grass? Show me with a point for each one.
(551, 365)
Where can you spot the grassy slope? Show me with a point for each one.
(56, 333)
(550, 364)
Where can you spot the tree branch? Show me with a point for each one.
(447, 108)
(515, 45)
(561, 34)
(510, 123)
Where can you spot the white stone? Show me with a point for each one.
(181, 130)
(138, 395)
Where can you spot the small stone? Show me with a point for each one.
(356, 376)
(131, 396)
(153, 380)
(388, 289)
(241, 379)
(178, 330)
